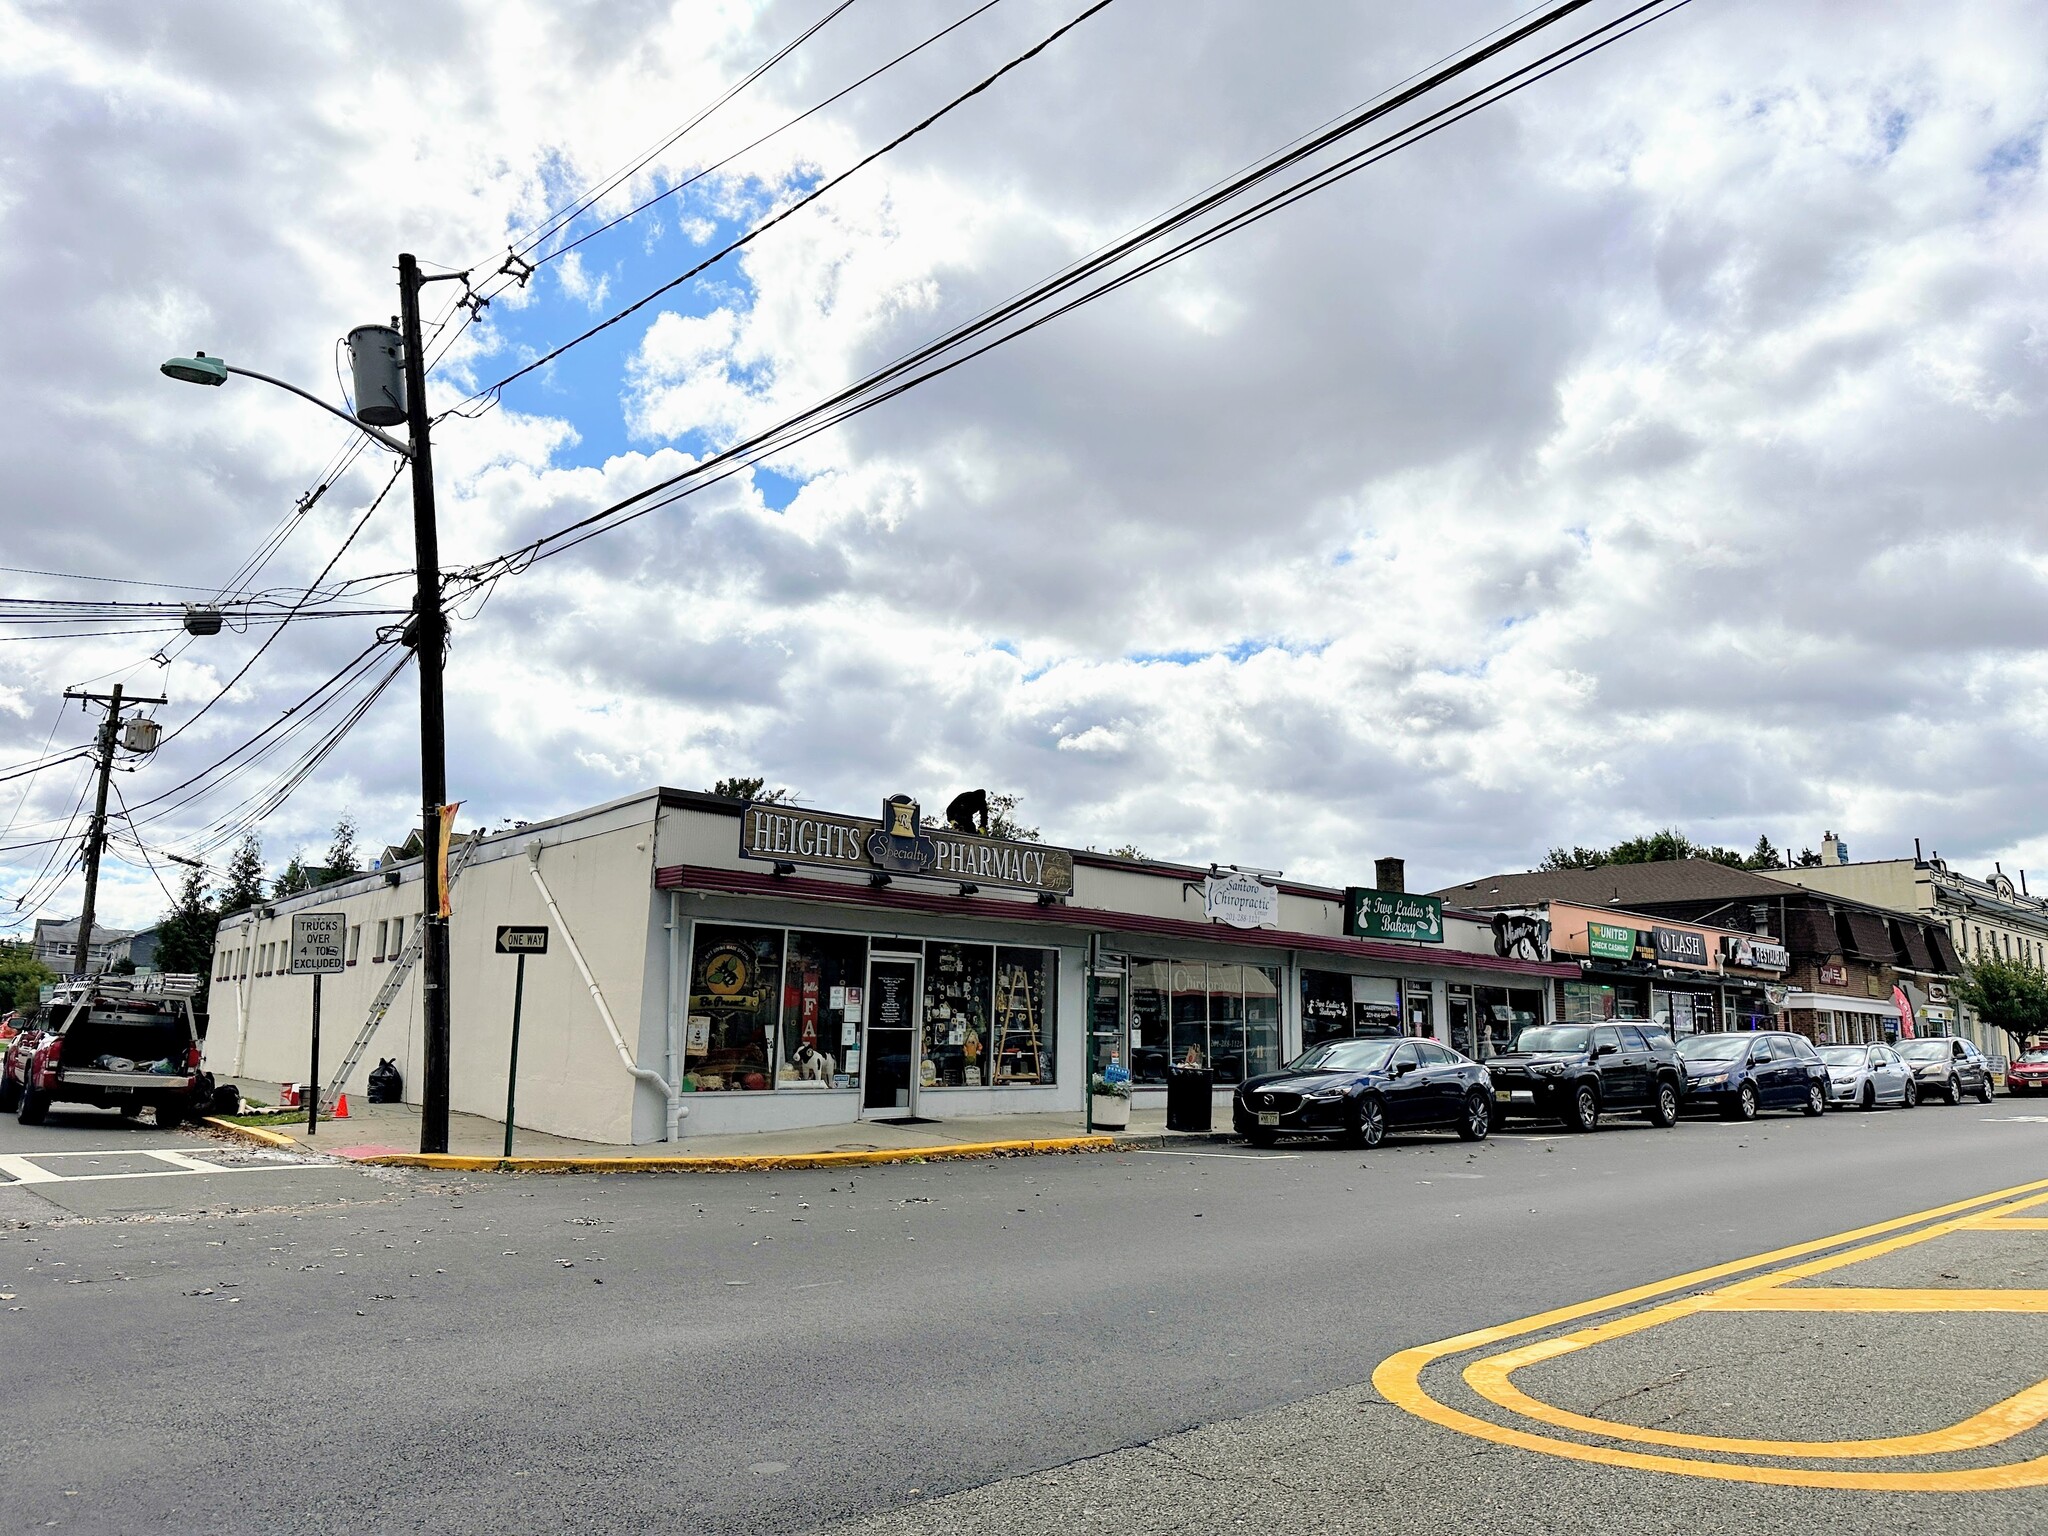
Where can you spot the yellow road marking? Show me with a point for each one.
(1398, 1378)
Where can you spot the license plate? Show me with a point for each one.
(1503, 1095)
(1269, 1117)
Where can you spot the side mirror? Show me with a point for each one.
(1605, 1050)
(1404, 1068)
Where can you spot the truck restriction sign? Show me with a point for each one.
(317, 940)
(522, 941)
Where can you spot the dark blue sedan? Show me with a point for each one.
(1358, 1090)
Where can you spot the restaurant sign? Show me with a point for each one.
(1758, 954)
(900, 844)
(1679, 946)
(1610, 941)
(1371, 914)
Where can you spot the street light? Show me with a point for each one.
(201, 369)
(391, 386)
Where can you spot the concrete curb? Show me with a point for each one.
(255, 1133)
(765, 1163)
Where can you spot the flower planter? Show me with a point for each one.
(1112, 1111)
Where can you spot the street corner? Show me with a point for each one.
(1902, 1357)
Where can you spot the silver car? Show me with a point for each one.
(1865, 1076)
(1948, 1067)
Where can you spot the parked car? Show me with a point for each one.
(1948, 1068)
(1578, 1072)
(118, 1042)
(2029, 1074)
(1359, 1090)
(1741, 1075)
(1865, 1076)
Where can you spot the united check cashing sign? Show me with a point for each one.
(319, 941)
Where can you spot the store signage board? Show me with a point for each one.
(1835, 975)
(1758, 954)
(1241, 900)
(1609, 941)
(522, 941)
(1371, 914)
(1676, 946)
(318, 940)
(902, 845)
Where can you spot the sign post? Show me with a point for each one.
(521, 942)
(318, 944)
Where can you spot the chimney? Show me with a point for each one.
(1390, 874)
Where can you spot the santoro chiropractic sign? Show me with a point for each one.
(900, 844)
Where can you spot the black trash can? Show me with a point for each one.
(1188, 1102)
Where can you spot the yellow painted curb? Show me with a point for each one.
(255, 1133)
(449, 1160)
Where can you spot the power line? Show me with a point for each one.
(801, 203)
(898, 376)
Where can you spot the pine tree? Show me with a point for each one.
(342, 858)
(295, 878)
(184, 941)
(244, 887)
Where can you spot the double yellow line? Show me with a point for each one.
(1399, 1378)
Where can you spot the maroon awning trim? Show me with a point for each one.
(898, 898)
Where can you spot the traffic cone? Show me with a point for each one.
(341, 1107)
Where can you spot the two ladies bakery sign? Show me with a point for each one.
(900, 844)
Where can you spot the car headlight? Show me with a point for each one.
(1553, 1069)
(1711, 1082)
(1324, 1096)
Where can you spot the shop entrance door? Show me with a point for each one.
(889, 1062)
(1108, 1022)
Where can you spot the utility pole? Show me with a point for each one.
(96, 829)
(429, 641)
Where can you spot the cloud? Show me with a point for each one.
(1662, 446)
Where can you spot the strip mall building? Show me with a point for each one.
(715, 966)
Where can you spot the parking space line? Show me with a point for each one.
(1399, 1378)
(1243, 1157)
(22, 1171)
(23, 1166)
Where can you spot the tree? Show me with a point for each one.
(1807, 859)
(297, 877)
(1003, 822)
(2009, 993)
(342, 858)
(1657, 848)
(122, 967)
(244, 887)
(753, 789)
(1763, 856)
(22, 976)
(185, 935)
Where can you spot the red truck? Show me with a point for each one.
(119, 1042)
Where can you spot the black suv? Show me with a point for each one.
(1577, 1072)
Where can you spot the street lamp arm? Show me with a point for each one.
(404, 450)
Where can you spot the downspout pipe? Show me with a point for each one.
(670, 1094)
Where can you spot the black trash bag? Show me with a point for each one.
(386, 1085)
(226, 1099)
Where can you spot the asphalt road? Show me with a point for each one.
(1130, 1342)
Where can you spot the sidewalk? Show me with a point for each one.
(390, 1133)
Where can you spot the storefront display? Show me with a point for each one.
(1224, 1017)
(821, 1011)
(734, 1000)
(1504, 1012)
(1151, 1020)
(988, 1016)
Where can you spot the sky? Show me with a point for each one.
(1659, 447)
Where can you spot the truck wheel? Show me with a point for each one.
(10, 1094)
(34, 1107)
(1664, 1108)
(168, 1116)
(1585, 1110)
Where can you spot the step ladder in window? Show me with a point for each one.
(401, 967)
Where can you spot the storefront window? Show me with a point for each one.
(1375, 1006)
(1226, 1022)
(958, 988)
(1458, 1004)
(820, 1022)
(1325, 1007)
(729, 1042)
(1261, 1019)
(1505, 1010)
(1587, 1002)
(1190, 1014)
(1027, 993)
(1151, 1012)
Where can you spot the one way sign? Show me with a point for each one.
(522, 941)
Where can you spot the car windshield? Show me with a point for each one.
(1551, 1037)
(1712, 1047)
(1844, 1055)
(2036, 1058)
(1344, 1056)
(1924, 1050)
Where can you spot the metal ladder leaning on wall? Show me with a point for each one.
(401, 967)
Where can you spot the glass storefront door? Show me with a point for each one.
(1106, 1025)
(889, 1077)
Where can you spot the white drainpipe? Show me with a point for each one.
(673, 1096)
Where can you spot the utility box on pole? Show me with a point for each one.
(377, 359)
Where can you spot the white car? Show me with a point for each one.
(1865, 1076)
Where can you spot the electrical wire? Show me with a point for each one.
(817, 192)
